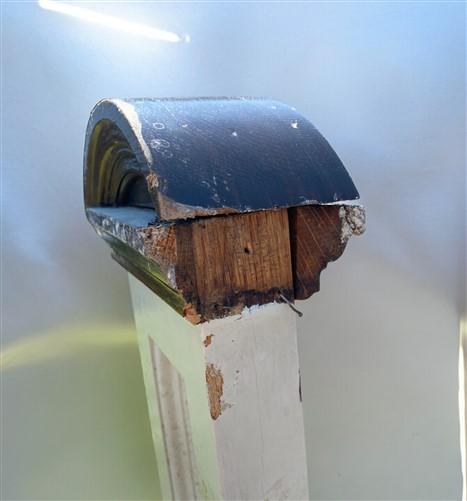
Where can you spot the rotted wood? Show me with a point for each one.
(213, 267)
(206, 268)
(319, 235)
(241, 260)
(217, 204)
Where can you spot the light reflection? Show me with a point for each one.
(112, 22)
(65, 342)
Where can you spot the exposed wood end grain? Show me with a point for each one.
(160, 245)
(215, 384)
(213, 267)
(316, 238)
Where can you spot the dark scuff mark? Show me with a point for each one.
(208, 340)
(299, 385)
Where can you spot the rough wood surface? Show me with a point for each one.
(222, 264)
(316, 239)
(241, 260)
(195, 195)
(213, 267)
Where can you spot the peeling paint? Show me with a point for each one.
(190, 313)
(160, 246)
(215, 383)
(170, 210)
(152, 181)
(353, 221)
(208, 340)
(225, 406)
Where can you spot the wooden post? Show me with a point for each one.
(224, 212)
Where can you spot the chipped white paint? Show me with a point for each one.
(255, 448)
(172, 277)
(128, 110)
(170, 210)
(353, 220)
(342, 202)
(259, 434)
(180, 343)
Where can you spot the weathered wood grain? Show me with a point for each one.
(241, 260)
(216, 265)
(226, 263)
(195, 198)
(316, 238)
(213, 267)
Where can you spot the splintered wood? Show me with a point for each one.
(221, 264)
(213, 267)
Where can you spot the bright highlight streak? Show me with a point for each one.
(64, 342)
(110, 21)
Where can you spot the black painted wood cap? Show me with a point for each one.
(197, 157)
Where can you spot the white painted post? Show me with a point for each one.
(224, 401)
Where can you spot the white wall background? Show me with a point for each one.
(385, 84)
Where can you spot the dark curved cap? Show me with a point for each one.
(210, 156)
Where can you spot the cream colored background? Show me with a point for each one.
(384, 82)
